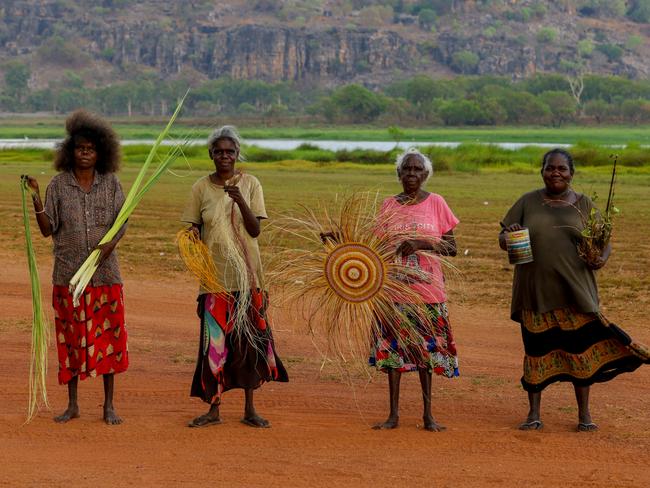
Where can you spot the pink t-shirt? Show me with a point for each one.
(431, 218)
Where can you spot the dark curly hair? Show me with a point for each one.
(559, 152)
(84, 125)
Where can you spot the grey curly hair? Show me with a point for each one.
(226, 132)
(412, 151)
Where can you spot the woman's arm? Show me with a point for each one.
(251, 222)
(107, 248)
(43, 221)
(446, 246)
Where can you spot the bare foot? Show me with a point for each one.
(205, 420)
(391, 423)
(110, 417)
(72, 412)
(431, 425)
(256, 421)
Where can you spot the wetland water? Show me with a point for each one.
(285, 144)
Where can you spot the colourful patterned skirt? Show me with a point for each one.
(583, 348)
(227, 360)
(90, 338)
(418, 345)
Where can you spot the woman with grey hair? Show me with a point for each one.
(236, 346)
(431, 347)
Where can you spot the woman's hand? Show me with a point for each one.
(234, 193)
(333, 237)
(602, 259)
(502, 236)
(513, 228)
(597, 263)
(32, 184)
(409, 247)
(251, 222)
(105, 250)
(43, 220)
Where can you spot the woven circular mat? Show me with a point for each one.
(354, 272)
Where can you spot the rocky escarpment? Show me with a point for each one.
(259, 52)
(179, 38)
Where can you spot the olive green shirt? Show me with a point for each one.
(557, 278)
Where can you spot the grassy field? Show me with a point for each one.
(52, 127)
(479, 199)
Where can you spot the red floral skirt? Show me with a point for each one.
(90, 338)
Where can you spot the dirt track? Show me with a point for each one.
(321, 432)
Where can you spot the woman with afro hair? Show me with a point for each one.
(81, 204)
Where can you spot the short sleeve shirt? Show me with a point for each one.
(79, 220)
(557, 277)
(210, 207)
(431, 218)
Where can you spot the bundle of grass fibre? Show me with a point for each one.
(198, 260)
(40, 326)
(83, 276)
(346, 278)
(597, 230)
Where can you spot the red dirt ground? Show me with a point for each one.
(321, 432)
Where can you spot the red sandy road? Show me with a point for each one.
(320, 434)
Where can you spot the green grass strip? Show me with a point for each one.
(40, 326)
(85, 273)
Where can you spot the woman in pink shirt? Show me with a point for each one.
(429, 220)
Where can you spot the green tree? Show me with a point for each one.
(562, 105)
(41, 100)
(358, 103)
(585, 48)
(524, 108)
(396, 134)
(639, 11)
(421, 89)
(599, 109)
(16, 77)
(612, 51)
(636, 111)
(634, 42)
(427, 18)
(546, 35)
(463, 112)
(464, 62)
(602, 8)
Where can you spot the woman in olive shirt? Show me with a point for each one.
(555, 297)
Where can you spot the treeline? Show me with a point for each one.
(550, 99)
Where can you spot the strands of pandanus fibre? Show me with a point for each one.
(85, 273)
(597, 228)
(342, 272)
(198, 260)
(40, 326)
(228, 236)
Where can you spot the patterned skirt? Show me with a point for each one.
(91, 338)
(418, 344)
(230, 360)
(583, 348)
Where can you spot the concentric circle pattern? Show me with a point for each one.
(354, 272)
